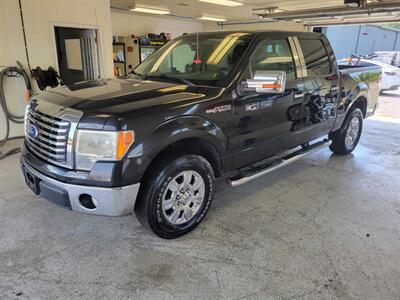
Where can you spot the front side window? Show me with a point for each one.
(200, 59)
(315, 56)
(273, 55)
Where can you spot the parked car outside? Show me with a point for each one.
(387, 57)
(390, 79)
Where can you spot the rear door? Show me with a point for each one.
(265, 124)
(320, 87)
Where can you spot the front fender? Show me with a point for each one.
(183, 128)
(167, 133)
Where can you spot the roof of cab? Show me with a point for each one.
(257, 33)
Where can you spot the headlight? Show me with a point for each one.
(92, 146)
(25, 117)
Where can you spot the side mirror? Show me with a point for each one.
(266, 82)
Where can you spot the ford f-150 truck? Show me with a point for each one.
(206, 105)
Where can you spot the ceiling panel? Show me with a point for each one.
(195, 9)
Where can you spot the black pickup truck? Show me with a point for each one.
(206, 105)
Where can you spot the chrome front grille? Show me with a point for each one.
(50, 131)
(52, 138)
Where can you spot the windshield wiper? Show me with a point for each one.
(174, 79)
(134, 73)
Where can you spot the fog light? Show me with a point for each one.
(87, 201)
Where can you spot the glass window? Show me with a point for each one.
(74, 56)
(316, 57)
(273, 55)
(205, 59)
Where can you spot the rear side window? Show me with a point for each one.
(316, 57)
(273, 55)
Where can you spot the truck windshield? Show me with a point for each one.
(203, 59)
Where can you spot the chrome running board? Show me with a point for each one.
(259, 171)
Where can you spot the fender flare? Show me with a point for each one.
(359, 91)
(174, 130)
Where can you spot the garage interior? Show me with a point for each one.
(324, 227)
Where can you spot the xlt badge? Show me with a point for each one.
(217, 109)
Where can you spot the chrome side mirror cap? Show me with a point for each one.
(266, 82)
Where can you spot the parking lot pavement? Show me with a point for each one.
(389, 105)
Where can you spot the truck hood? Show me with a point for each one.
(119, 96)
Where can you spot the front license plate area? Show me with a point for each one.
(32, 182)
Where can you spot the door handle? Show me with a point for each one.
(298, 95)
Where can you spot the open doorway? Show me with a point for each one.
(77, 54)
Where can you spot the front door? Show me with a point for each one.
(77, 54)
(265, 124)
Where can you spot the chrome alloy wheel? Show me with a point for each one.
(183, 197)
(352, 132)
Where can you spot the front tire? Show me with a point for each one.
(345, 140)
(176, 196)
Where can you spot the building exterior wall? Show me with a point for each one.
(361, 39)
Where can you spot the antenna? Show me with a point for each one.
(197, 61)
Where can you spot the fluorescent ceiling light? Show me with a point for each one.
(223, 2)
(215, 19)
(150, 10)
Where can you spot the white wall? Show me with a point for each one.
(125, 23)
(39, 17)
(11, 49)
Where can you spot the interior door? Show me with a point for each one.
(263, 125)
(320, 89)
(77, 54)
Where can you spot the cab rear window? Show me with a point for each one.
(315, 56)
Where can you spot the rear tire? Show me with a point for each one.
(345, 140)
(176, 195)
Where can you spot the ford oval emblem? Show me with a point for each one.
(33, 131)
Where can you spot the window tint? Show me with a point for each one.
(206, 59)
(315, 56)
(179, 57)
(273, 55)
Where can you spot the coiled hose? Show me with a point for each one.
(10, 117)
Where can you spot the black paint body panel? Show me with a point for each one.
(161, 113)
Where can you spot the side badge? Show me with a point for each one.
(218, 109)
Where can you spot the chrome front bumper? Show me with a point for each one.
(107, 201)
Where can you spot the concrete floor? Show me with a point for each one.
(389, 104)
(326, 227)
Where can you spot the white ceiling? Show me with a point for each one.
(195, 8)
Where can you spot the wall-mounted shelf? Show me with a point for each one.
(119, 57)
